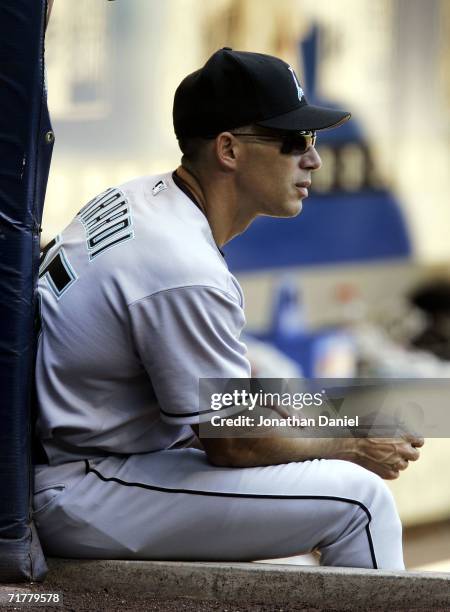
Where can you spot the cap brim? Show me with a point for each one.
(308, 117)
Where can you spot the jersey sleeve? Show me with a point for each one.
(183, 335)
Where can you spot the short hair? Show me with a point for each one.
(192, 146)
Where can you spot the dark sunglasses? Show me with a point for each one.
(292, 143)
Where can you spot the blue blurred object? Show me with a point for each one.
(287, 312)
(327, 353)
(353, 218)
(26, 142)
(333, 228)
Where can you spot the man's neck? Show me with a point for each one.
(218, 200)
(192, 183)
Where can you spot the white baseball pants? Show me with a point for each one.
(174, 505)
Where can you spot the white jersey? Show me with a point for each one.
(137, 304)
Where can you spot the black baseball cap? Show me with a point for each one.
(236, 88)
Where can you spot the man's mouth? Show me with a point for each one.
(302, 188)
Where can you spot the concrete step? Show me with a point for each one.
(159, 585)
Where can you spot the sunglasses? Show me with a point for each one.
(292, 143)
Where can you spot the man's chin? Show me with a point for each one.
(290, 209)
(293, 209)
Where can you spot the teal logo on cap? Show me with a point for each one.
(297, 84)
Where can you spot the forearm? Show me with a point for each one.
(252, 452)
(384, 456)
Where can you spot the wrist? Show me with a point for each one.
(344, 448)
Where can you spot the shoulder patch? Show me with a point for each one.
(160, 186)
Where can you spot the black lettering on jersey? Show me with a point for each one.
(114, 242)
(106, 216)
(107, 221)
(92, 203)
(111, 230)
(59, 273)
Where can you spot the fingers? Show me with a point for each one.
(387, 457)
(391, 475)
(410, 453)
(402, 464)
(386, 472)
(414, 440)
(394, 470)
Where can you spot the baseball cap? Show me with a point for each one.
(236, 88)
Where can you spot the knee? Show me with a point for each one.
(384, 503)
(371, 491)
(379, 501)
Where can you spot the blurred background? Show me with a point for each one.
(359, 284)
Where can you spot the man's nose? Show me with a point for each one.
(311, 160)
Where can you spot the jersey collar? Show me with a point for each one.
(185, 189)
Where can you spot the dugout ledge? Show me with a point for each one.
(291, 587)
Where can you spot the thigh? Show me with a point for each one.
(175, 505)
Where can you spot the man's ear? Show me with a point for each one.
(227, 150)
